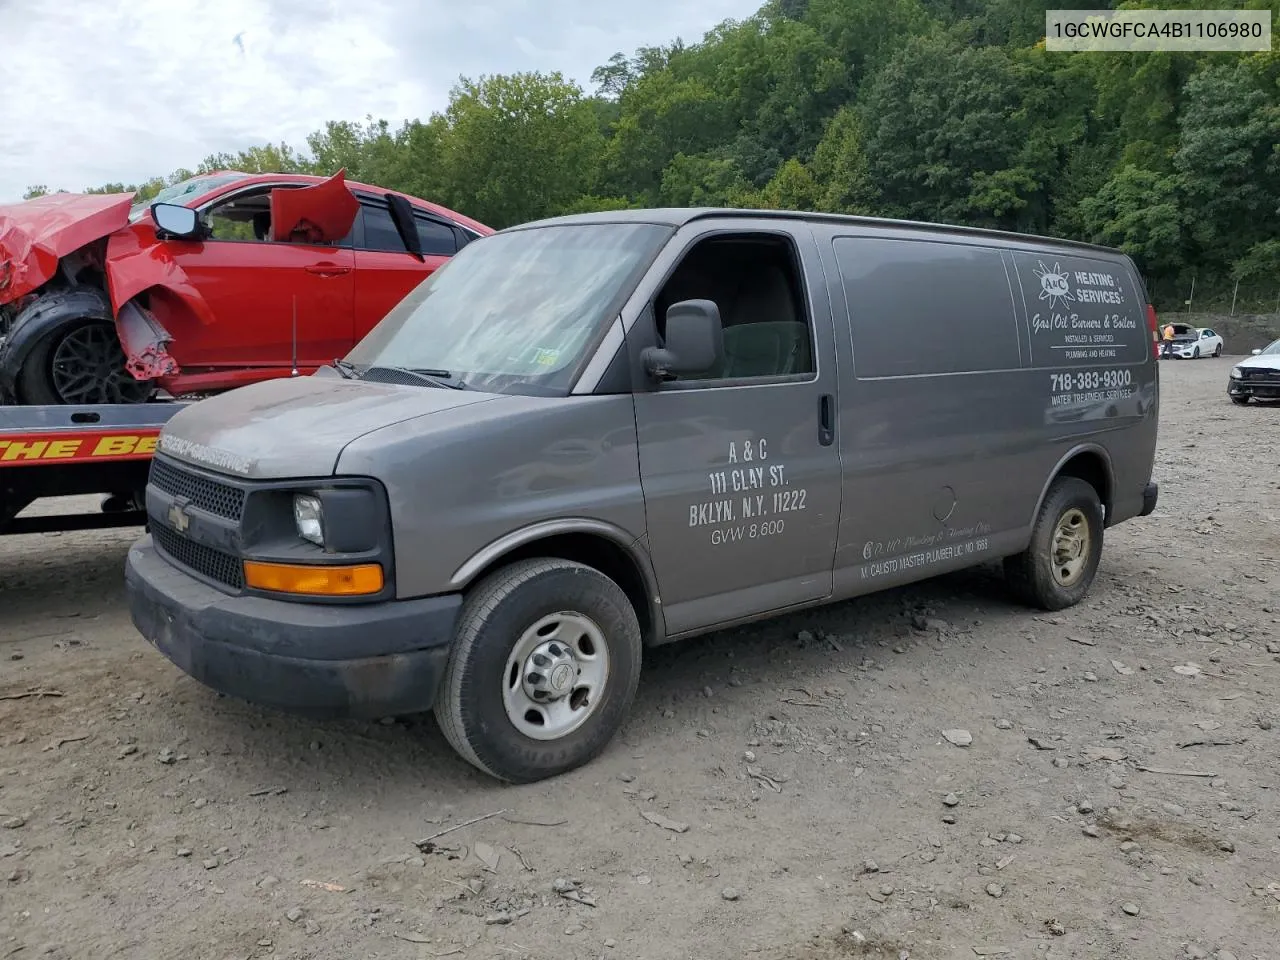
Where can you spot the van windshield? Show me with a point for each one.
(516, 311)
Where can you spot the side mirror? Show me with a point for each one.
(178, 222)
(1257, 353)
(695, 341)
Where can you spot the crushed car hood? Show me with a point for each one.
(296, 427)
(37, 233)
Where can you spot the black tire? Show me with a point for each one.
(1239, 400)
(1217, 351)
(470, 708)
(75, 312)
(1031, 574)
(1195, 353)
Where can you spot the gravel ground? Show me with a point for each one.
(785, 791)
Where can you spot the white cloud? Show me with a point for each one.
(97, 92)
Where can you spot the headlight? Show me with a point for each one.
(1236, 374)
(309, 516)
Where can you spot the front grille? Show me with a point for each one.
(206, 561)
(220, 499)
(1263, 375)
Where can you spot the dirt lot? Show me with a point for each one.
(1120, 798)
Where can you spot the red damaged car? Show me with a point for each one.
(219, 281)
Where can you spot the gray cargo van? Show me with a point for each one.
(591, 434)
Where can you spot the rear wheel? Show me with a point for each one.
(545, 665)
(1058, 567)
(81, 361)
(1217, 351)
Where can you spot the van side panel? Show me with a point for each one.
(1096, 368)
(971, 368)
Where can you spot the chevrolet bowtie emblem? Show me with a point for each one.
(178, 518)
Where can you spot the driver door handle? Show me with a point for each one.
(327, 269)
(826, 420)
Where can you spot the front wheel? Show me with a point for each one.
(1058, 567)
(544, 667)
(1195, 354)
(81, 361)
(1240, 400)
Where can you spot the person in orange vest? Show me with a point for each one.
(1168, 338)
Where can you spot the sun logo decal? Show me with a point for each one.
(1054, 285)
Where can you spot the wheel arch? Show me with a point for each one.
(1091, 463)
(602, 546)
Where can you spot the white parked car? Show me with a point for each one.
(1192, 343)
(1257, 376)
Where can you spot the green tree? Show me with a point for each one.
(518, 147)
(1229, 160)
(948, 131)
(268, 158)
(662, 116)
(793, 187)
(1138, 211)
(703, 181)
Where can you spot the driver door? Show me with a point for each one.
(740, 466)
(264, 292)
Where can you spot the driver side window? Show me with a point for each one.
(246, 217)
(754, 281)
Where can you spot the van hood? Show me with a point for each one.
(1267, 361)
(36, 234)
(296, 427)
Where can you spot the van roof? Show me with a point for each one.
(679, 216)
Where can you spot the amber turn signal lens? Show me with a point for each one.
(315, 581)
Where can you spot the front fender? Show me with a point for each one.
(635, 549)
(138, 262)
(545, 530)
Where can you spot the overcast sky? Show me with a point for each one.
(96, 91)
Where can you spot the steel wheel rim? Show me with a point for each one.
(556, 676)
(88, 366)
(1070, 549)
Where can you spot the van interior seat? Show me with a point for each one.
(770, 348)
(764, 332)
(762, 335)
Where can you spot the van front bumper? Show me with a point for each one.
(356, 660)
(1150, 495)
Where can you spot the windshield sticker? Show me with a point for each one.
(751, 498)
(546, 357)
(1080, 313)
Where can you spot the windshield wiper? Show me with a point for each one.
(439, 378)
(346, 368)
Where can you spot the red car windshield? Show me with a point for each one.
(184, 192)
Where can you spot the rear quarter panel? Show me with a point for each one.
(972, 368)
